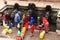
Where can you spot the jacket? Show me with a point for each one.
(17, 17)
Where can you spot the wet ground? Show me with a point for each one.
(48, 36)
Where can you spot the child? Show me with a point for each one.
(32, 29)
(46, 24)
(40, 27)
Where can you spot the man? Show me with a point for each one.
(17, 18)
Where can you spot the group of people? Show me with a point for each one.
(6, 19)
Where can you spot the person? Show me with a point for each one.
(3, 19)
(32, 30)
(12, 19)
(40, 27)
(8, 18)
(25, 21)
(17, 18)
(46, 23)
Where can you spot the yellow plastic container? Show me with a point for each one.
(5, 31)
(23, 33)
(5, 26)
(41, 36)
(10, 31)
(23, 30)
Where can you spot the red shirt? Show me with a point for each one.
(25, 19)
(44, 20)
(32, 28)
(3, 18)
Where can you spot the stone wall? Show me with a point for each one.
(43, 0)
